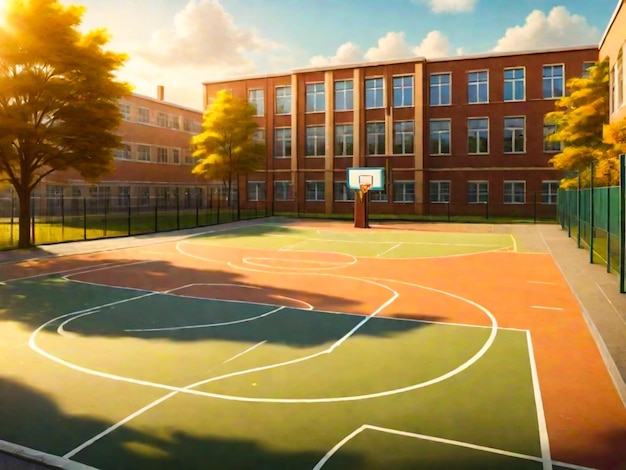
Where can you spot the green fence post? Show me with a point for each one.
(591, 221)
(622, 225)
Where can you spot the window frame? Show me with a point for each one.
(378, 92)
(514, 81)
(314, 95)
(316, 186)
(377, 142)
(286, 142)
(439, 133)
(549, 146)
(481, 192)
(403, 184)
(256, 97)
(407, 138)
(344, 141)
(549, 198)
(260, 191)
(439, 196)
(347, 194)
(478, 136)
(315, 139)
(506, 129)
(439, 87)
(347, 95)
(478, 84)
(399, 91)
(552, 96)
(282, 99)
(512, 193)
(282, 187)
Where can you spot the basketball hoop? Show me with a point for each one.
(365, 183)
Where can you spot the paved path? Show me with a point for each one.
(596, 290)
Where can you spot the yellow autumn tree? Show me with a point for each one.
(580, 120)
(226, 148)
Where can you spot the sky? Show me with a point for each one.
(181, 43)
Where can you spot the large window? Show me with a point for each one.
(550, 145)
(552, 81)
(315, 190)
(259, 136)
(440, 89)
(315, 141)
(514, 135)
(403, 191)
(143, 153)
(341, 192)
(125, 111)
(478, 87)
(477, 192)
(283, 100)
(439, 191)
(514, 192)
(549, 190)
(162, 119)
(378, 196)
(478, 135)
(315, 97)
(256, 190)
(373, 93)
(403, 91)
(162, 154)
(619, 83)
(440, 137)
(375, 133)
(283, 191)
(256, 99)
(282, 142)
(176, 156)
(403, 137)
(514, 84)
(143, 115)
(344, 140)
(587, 69)
(125, 152)
(344, 95)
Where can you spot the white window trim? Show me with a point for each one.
(375, 77)
(523, 81)
(450, 85)
(488, 135)
(449, 121)
(514, 152)
(514, 181)
(488, 83)
(554, 98)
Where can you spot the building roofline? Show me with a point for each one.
(402, 61)
(620, 4)
(168, 103)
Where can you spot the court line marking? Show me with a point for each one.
(321, 264)
(544, 441)
(506, 453)
(543, 307)
(54, 273)
(389, 249)
(146, 408)
(545, 283)
(514, 242)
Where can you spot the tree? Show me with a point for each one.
(580, 120)
(226, 148)
(58, 99)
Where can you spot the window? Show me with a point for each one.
(375, 132)
(315, 190)
(478, 87)
(283, 100)
(514, 192)
(143, 115)
(373, 93)
(514, 84)
(255, 98)
(187, 124)
(586, 69)
(548, 144)
(378, 195)
(439, 191)
(143, 153)
(477, 192)
(549, 190)
(440, 89)
(344, 94)
(403, 191)
(341, 192)
(162, 155)
(256, 190)
(344, 140)
(283, 191)
(175, 122)
(403, 137)
(125, 152)
(176, 156)
(282, 142)
(478, 135)
(125, 111)
(440, 137)
(619, 84)
(123, 196)
(403, 91)
(514, 132)
(259, 136)
(315, 141)
(315, 97)
(187, 157)
(162, 119)
(552, 81)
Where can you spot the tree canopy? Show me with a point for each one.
(226, 148)
(581, 118)
(59, 99)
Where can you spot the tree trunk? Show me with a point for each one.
(238, 203)
(230, 196)
(24, 220)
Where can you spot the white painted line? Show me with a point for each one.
(389, 249)
(514, 243)
(541, 417)
(411, 435)
(543, 307)
(610, 303)
(67, 334)
(141, 411)
(543, 283)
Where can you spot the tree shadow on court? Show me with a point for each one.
(30, 418)
(37, 300)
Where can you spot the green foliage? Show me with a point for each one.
(58, 97)
(226, 148)
(581, 118)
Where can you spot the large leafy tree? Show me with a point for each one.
(580, 119)
(226, 148)
(58, 98)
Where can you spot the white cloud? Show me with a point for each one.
(558, 29)
(347, 53)
(393, 45)
(435, 44)
(449, 6)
